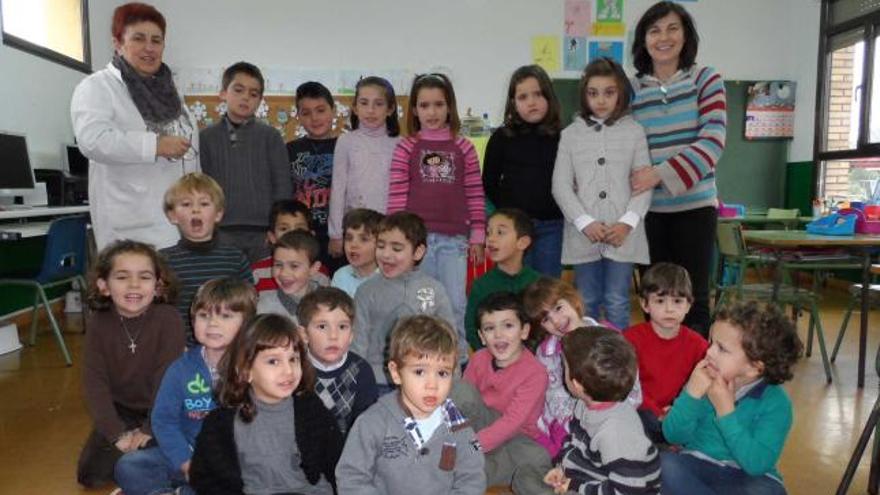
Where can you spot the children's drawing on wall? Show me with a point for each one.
(770, 110)
(545, 52)
(610, 49)
(609, 10)
(574, 55)
(577, 17)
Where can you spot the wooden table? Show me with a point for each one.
(786, 240)
(748, 220)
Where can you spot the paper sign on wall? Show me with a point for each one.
(615, 29)
(574, 53)
(609, 10)
(545, 52)
(577, 17)
(610, 49)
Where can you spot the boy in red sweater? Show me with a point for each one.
(667, 350)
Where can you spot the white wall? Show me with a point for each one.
(482, 41)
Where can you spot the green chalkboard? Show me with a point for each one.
(749, 172)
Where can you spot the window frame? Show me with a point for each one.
(24, 45)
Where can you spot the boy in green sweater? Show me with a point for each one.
(508, 236)
(733, 415)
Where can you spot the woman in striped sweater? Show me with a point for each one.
(683, 109)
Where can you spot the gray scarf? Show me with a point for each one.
(154, 96)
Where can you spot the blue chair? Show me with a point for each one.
(64, 261)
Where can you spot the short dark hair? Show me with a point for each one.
(522, 223)
(642, 59)
(666, 279)
(602, 361)
(288, 207)
(392, 124)
(314, 90)
(409, 224)
(767, 336)
(606, 67)
(329, 297)
(299, 240)
(362, 217)
(501, 301)
(133, 13)
(243, 68)
(552, 121)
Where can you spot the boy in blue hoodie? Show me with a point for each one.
(185, 397)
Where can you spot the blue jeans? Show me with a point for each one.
(146, 472)
(684, 474)
(545, 253)
(446, 260)
(605, 283)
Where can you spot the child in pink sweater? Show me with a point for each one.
(502, 392)
(435, 173)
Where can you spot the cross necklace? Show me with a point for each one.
(132, 345)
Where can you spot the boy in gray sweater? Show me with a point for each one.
(401, 290)
(247, 158)
(608, 451)
(414, 440)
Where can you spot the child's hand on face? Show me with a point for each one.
(616, 234)
(556, 478)
(721, 395)
(596, 231)
(700, 381)
(335, 248)
(476, 251)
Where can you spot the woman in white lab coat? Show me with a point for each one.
(130, 121)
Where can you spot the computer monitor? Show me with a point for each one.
(76, 163)
(16, 174)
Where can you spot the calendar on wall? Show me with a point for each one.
(770, 110)
(279, 111)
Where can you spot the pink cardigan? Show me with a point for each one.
(516, 391)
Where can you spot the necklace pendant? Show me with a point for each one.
(133, 347)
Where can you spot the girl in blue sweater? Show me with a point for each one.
(733, 416)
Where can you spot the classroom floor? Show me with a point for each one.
(43, 421)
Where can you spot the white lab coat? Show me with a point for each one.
(127, 181)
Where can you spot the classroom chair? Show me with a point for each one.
(731, 247)
(855, 297)
(63, 262)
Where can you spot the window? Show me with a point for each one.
(57, 30)
(848, 120)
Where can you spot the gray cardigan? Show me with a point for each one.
(591, 182)
(380, 457)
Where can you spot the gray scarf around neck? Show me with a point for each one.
(154, 96)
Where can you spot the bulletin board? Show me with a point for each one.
(279, 111)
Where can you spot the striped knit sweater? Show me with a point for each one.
(685, 119)
(401, 178)
(195, 263)
(608, 452)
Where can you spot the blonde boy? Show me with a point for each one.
(414, 439)
(195, 204)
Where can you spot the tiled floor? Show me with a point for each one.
(43, 421)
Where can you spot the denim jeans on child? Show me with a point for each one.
(605, 284)
(545, 253)
(446, 260)
(146, 472)
(684, 474)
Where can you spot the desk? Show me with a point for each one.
(787, 223)
(785, 240)
(42, 211)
